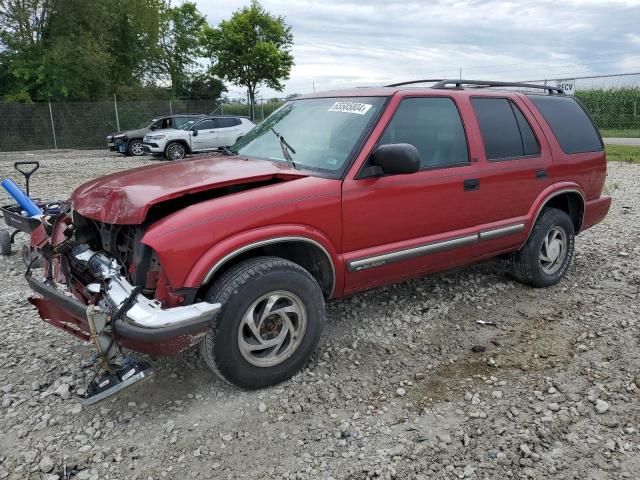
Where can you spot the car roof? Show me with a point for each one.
(455, 87)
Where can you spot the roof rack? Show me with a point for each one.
(440, 83)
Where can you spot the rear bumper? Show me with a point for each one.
(595, 210)
(173, 330)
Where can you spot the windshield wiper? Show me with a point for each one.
(287, 149)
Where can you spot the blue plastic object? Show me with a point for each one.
(25, 202)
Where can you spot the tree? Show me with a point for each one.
(89, 50)
(204, 86)
(181, 32)
(134, 40)
(252, 48)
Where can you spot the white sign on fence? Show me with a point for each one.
(568, 85)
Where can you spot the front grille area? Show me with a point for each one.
(122, 242)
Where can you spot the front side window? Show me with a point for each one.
(569, 122)
(505, 131)
(432, 125)
(208, 124)
(320, 134)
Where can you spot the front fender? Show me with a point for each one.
(228, 248)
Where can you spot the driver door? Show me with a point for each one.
(207, 137)
(401, 226)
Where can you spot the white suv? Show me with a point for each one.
(201, 135)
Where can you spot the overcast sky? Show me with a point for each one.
(357, 43)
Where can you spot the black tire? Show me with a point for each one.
(5, 243)
(528, 267)
(175, 151)
(238, 290)
(135, 148)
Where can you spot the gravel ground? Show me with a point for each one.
(406, 384)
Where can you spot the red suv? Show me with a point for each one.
(333, 194)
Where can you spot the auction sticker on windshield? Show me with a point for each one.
(350, 107)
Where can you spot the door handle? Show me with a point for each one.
(472, 184)
(541, 174)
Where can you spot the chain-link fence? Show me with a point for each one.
(38, 126)
(612, 100)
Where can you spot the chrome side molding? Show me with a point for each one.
(431, 248)
(501, 232)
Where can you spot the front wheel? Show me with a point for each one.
(135, 148)
(270, 323)
(547, 255)
(175, 151)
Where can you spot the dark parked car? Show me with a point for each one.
(129, 142)
(332, 194)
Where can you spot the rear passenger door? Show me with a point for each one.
(228, 130)
(516, 163)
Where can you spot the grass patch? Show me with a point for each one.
(623, 153)
(618, 133)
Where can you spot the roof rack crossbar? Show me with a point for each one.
(411, 82)
(488, 84)
(459, 83)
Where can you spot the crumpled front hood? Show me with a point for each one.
(126, 197)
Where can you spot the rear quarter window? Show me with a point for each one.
(569, 122)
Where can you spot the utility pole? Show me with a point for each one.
(115, 104)
(53, 127)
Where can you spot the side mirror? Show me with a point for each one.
(394, 159)
(194, 132)
(154, 127)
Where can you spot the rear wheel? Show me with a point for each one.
(270, 323)
(135, 148)
(547, 255)
(175, 151)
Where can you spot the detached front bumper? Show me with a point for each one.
(143, 327)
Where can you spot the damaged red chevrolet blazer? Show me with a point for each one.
(332, 194)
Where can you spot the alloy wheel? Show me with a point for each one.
(554, 250)
(272, 328)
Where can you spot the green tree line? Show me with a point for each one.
(53, 50)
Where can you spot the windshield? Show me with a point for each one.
(316, 133)
(146, 124)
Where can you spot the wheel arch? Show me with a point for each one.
(304, 251)
(570, 200)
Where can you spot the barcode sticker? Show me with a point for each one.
(350, 107)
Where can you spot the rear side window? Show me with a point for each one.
(227, 122)
(434, 127)
(569, 122)
(505, 131)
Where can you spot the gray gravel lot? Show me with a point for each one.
(406, 384)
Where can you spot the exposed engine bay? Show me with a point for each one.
(102, 284)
